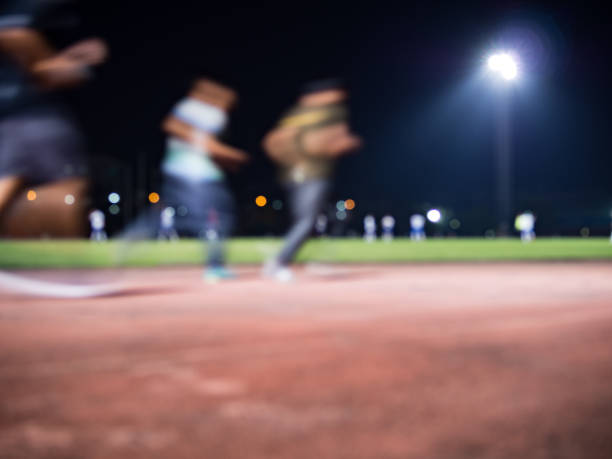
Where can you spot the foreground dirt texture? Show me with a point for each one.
(421, 361)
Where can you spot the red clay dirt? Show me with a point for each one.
(417, 361)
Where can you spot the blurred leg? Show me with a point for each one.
(48, 214)
(306, 199)
(220, 209)
(8, 188)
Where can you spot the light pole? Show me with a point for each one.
(503, 65)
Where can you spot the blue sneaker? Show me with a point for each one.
(217, 273)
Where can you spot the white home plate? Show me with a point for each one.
(36, 287)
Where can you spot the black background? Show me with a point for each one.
(427, 119)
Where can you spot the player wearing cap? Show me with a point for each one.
(305, 144)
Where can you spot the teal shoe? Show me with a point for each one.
(218, 273)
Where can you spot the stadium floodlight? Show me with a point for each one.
(434, 215)
(503, 64)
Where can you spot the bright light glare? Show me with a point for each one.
(504, 64)
(434, 215)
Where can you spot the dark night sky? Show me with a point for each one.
(427, 120)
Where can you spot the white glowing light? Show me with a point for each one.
(114, 198)
(494, 62)
(504, 64)
(434, 215)
(69, 199)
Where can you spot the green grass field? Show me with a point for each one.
(82, 253)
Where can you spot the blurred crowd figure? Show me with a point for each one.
(166, 225)
(97, 221)
(417, 227)
(194, 174)
(388, 225)
(525, 223)
(305, 144)
(40, 142)
(321, 224)
(369, 228)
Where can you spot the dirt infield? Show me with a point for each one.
(418, 361)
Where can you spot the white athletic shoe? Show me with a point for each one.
(273, 270)
(283, 274)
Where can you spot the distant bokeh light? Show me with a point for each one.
(114, 198)
(153, 198)
(261, 201)
(349, 204)
(31, 195)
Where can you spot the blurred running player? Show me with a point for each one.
(305, 144)
(39, 140)
(194, 169)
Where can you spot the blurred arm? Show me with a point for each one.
(279, 144)
(29, 49)
(217, 149)
(329, 141)
(25, 46)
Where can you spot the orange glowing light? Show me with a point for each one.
(31, 195)
(349, 204)
(153, 198)
(261, 201)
